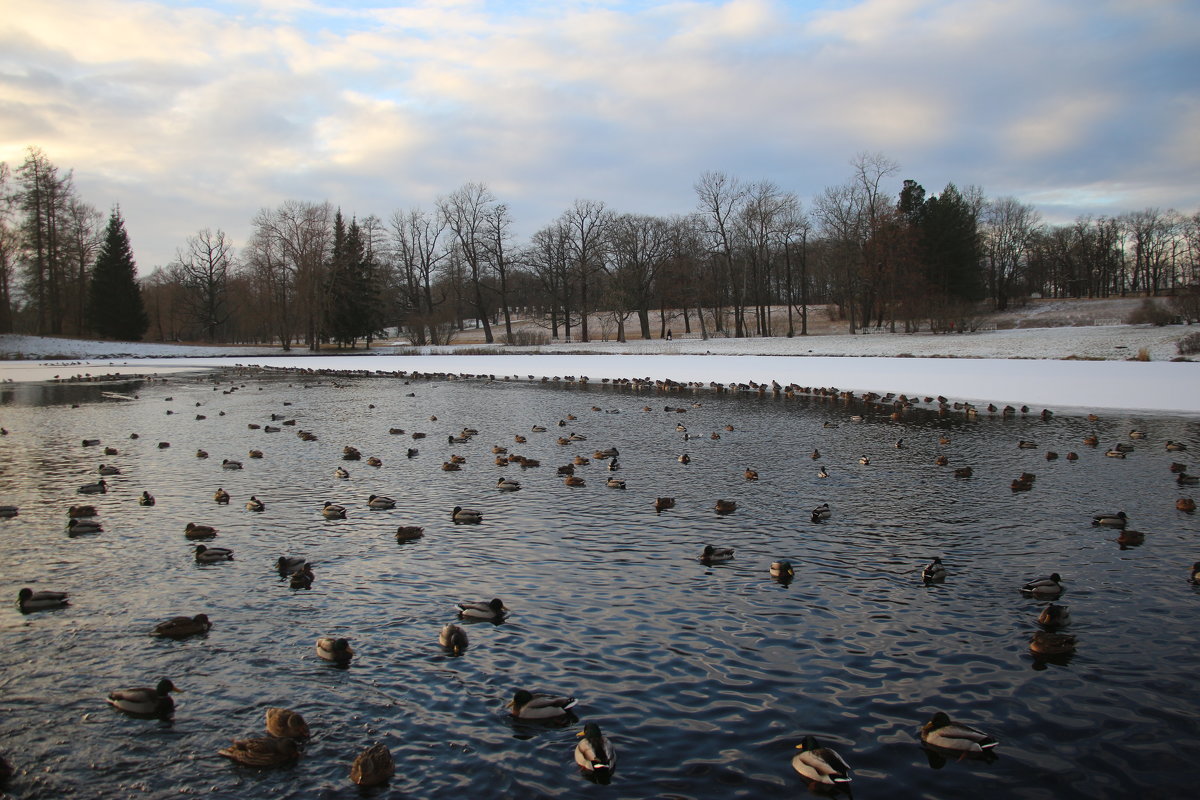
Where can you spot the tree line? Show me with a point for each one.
(747, 260)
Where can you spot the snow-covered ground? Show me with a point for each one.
(1040, 367)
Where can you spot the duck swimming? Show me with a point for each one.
(1117, 520)
(1054, 616)
(1049, 586)
(726, 506)
(493, 609)
(934, 572)
(284, 723)
(99, 487)
(1046, 643)
(380, 502)
(716, 555)
(821, 513)
(221, 496)
(335, 650)
(782, 569)
(78, 527)
(254, 504)
(146, 499)
(194, 531)
(143, 701)
(333, 511)
(943, 733)
(466, 516)
(29, 600)
(822, 766)
(211, 555)
(663, 503)
(595, 752)
(182, 627)
(453, 638)
(528, 705)
(266, 751)
(373, 766)
(507, 485)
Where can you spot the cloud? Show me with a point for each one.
(196, 116)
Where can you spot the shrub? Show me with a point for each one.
(528, 338)
(1190, 344)
(1186, 303)
(1150, 312)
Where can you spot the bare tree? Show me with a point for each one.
(720, 197)
(637, 247)
(291, 247)
(497, 222)
(84, 225)
(584, 224)
(205, 264)
(10, 248)
(1009, 227)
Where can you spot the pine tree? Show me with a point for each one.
(115, 309)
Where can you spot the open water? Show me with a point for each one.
(704, 677)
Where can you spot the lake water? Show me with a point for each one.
(704, 677)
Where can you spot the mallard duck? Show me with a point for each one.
(493, 609)
(194, 531)
(266, 751)
(934, 572)
(574, 480)
(530, 705)
(822, 766)
(29, 600)
(256, 453)
(407, 533)
(333, 511)
(581, 461)
(507, 485)
(7, 512)
(380, 502)
(750, 474)
(201, 454)
(181, 627)
(1194, 576)
(823, 472)
(1128, 538)
(373, 766)
(254, 504)
(144, 701)
(816, 454)
(615, 483)
(374, 462)
(595, 752)
(964, 472)
(1136, 434)
(1114, 453)
(663, 503)
(211, 555)
(864, 460)
(341, 473)
(1050, 586)
(941, 461)
(1025, 444)
(302, 578)
(782, 569)
(106, 469)
(716, 555)
(1185, 504)
(821, 512)
(613, 465)
(943, 733)
(453, 638)
(1184, 479)
(1045, 643)
(351, 453)
(726, 506)
(538, 429)
(78, 527)
(467, 516)
(146, 499)
(221, 496)
(1054, 616)
(685, 459)
(450, 466)
(1091, 440)
(335, 650)
(227, 463)
(286, 724)
(99, 487)
(289, 564)
(1175, 447)
(1117, 520)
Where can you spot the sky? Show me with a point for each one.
(194, 115)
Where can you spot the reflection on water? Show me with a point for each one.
(705, 677)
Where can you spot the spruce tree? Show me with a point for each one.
(115, 309)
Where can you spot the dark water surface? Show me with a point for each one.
(705, 678)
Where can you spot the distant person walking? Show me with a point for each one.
(668, 334)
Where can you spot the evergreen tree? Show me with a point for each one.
(115, 309)
(950, 241)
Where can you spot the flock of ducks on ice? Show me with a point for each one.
(821, 766)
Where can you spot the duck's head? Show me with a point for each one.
(165, 685)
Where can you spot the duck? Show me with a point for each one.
(1194, 576)
(1050, 586)
(227, 463)
(816, 454)
(538, 429)
(286, 565)
(1184, 479)
(530, 705)
(821, 512)
(374, 461)
(1054, 616)
(146, 499)
(574, 480)
(144, 701)
(254, 504)
(373, 766)
(284, 723)
(201, 454)
(211, 555)
(407, 533)
(221, 496)
(1046, 643)
(1117, 520)
(380, 502)
(964, 472)
(302, 578)
(1025, 444)
(453, 638)
(934, 572)
(342, 473)
(1137, 434)
(255, 454)
(78, 527)
(266, 751)
(1128, 538)
(751, 474)
(106, 469)
(450, 466)
(1185, 504)
(1091, 440)
(615, 483)
(726, 506)
(613, 465)
(823, 472)
(493, 609)
(685, 459)
(782, 569)
(943, 733)
(194, 531)
(99, 487)
(595, 752)
(78, 512)
(8, 512)
(468, 516)
(351, 453)
(507, 485)
(181, 627)
(663, 503)
(335, 650)
(822, 766)
(29, 600)
(581, 461)
(941, 461)
(1114, 453)
(1175, 447)
(716, 555)
(333, 511)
